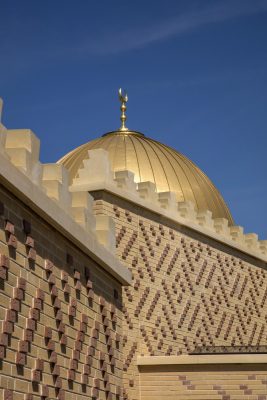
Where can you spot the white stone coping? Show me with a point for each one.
(96, 174)
(202, 359)
(170, 214)
(36, 198)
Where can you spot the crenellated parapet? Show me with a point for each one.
(45, 187)
(96, 174)
(21, 149)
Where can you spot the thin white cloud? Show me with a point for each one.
(182, 24)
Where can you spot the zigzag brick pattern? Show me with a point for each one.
(186, 296)
(60, 324)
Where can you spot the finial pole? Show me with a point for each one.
(123, 99)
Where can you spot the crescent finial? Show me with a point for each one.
(123, 99)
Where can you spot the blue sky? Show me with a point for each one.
(195, 73)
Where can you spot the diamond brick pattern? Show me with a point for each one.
(186, 294)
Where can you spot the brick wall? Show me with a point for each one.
(60, 314)
(189, 294)
(204, 383)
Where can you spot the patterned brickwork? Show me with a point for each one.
(60, 330)
(187, 296)
(217, 384)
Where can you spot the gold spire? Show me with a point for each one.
(123, 99)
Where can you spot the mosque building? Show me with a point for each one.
(124, 277)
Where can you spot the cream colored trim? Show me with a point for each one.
(96, 174)
(35, 197)
(202, 359)
(227, 240)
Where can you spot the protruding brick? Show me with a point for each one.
(12, 241)
(36, 376)
(21, 284)
(64, 276)
(71, 374)
(28, 335)
(23, 346)
(31, 324)
(18, 293)
(21, 359)
(4, 261)
(2, 352)
(37, 303)
(40, 294)
(7, 327)
(61, 394)
(11, 316)
(9, 227)
(3, 273)
(39, 364)
(14, 304)
(48, 264)
(53, 357)
(44, 391)
(29, 241)
(48, 332)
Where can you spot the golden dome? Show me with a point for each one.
(153, 161)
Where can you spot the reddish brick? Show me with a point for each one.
(48, 332)
(71, 374)
(56, 370)
(7, 327)
(3, 273)
(64, 340)
(9, 227)
(64, 276)
(23, 346)
(37, 303)
(21, 284)
(2, 352)
(61, 394)
(4, 261)
(29, 241)
(48, 265)
(51, 345)
(36, 376)
(8, 394)
(18, 293)
(11, 316)
(31, 254)
(54, 291)
(4, 339)
(12, 241)
(14, 304)
(28, 335)
(39, 364)
(73, 364)
(53, 357)
(44, 391)
(34, 314)
(20, 359)
(31, 324)
(40, 294)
